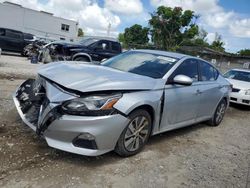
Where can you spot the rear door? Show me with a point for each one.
(181, 102)
(15, 40)
(210, 93)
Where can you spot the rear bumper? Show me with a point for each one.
(63, 130)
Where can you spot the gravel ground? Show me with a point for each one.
(14, 66)
(196, 156)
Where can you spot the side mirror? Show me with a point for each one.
(103, 60)
(183, 80)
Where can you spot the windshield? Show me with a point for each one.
(87, 42)
(146, 64)
(238, 75)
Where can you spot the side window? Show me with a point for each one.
(13, 34)
(2, 32)
(102, 45)
(115, 46)
(208, 72)
(188, 68)
(28, 36)
(64, 27)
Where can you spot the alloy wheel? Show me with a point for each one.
(220, 112)
(137, 133)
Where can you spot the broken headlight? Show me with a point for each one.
(91, 105)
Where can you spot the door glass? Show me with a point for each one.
(2, 32)
(115, 46)
(102, 46)
(188, 68)
(207, 72)
(13, 34)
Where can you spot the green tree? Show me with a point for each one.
(170, 27)
(121, 39)
(80, 32)
(218, 44)
(199, 40)
(244, 52)
(135, 36)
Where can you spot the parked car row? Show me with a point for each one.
(118, 104)
(89, 49)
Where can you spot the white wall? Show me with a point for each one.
(35, 22)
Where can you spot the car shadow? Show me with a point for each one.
(112, 157)
(11, 54)
(240, 107)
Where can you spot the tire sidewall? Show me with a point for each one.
(120, 147)
(215, 113)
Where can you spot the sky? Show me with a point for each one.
(229, 18)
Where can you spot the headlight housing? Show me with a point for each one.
(247, 92)
(91, 105)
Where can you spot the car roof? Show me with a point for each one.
(164, 53)
(243, 70)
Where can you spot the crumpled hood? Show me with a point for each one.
(239, 84)
(88, 77)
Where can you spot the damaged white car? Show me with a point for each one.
(93, 109)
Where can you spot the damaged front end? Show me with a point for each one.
(34, 106)
(82, 124)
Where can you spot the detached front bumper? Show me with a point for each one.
(85, 135)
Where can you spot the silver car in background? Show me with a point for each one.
(93, 109)
(240, 80)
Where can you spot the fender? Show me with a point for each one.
(82, 54)
(133, 100)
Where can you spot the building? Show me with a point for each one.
(39, 23)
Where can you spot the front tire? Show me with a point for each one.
(218, 114)
(135, 135)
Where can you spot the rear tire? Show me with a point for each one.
(135, 135)
(85, 59)
(218, 114)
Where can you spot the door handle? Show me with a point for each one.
(198, 92)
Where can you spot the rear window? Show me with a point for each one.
(28, 36)
(115, 46)
(2, 32)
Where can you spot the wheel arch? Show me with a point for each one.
(82, 55)
(151, 112)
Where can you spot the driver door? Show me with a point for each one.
(181, 102)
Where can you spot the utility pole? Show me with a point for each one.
(109, 27)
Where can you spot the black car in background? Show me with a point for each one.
(14, 41)
(88, 49)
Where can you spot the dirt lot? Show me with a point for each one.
(196, 156)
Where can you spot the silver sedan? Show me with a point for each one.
(93, 109)
(240, 80)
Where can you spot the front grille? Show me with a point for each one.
(235, 90)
